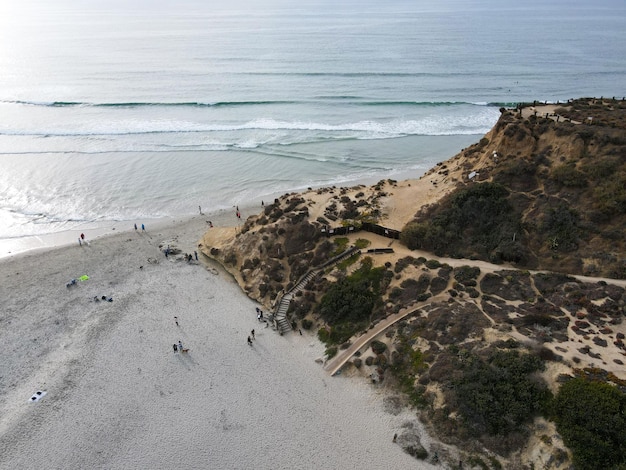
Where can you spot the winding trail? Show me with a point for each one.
(333, 365)
(337, 362)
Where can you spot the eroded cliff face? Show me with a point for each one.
(564, 192)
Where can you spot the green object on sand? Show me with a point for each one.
(84, 277)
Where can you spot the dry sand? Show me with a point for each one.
(117, 396)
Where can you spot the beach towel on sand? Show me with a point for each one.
(84, 277)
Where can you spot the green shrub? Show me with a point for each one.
(405, 366)
(463, 274)
(567, 175)
(343, 265)
(348, 304)
(342, 332)
(498, 396)
(413, 235)
(362, 243)
(341, 243)
(418, 452)
(475, 221)
(495, 463)
(231, 258)
(473, 293)
(433, 264)
(323, 335)
(378, 347)
(560, 225)
(610, 195)
(331, 352)
(591, 417)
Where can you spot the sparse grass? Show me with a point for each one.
(343, 264)
(362, 243)
(341, 244)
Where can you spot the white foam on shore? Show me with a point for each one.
(95, 230)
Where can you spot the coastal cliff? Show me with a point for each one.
(481, 264)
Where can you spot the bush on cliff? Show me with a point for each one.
(495, 392)
(591, 417)
(348, 304)
(300, 237)
(477, 220)
(497, 395)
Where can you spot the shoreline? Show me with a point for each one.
(11, 247)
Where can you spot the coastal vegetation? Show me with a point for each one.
(495, 394)
(591, 417)
(476, 350)
(554, 196)
(475, 222)
(350, 304)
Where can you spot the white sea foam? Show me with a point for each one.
(428, 125)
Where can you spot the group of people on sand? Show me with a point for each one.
(82, 239)
(178, 347)
(188, 256)
(259, 314)
(260, 318)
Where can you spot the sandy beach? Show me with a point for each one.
(117, 396)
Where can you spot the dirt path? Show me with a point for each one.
(333, 365)
(337, 362)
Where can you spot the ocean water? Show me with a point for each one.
(116, 111)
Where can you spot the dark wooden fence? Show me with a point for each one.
(368, 227)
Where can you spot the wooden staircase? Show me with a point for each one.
(282, 305)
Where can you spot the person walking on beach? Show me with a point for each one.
(180, 346)
(135, 226)
(175, 348)
(82, 236)
(200, 210)
(252, 333)
(249, 341)
(196, 255)
(176, 320)
(143, 228)
(80, 243)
